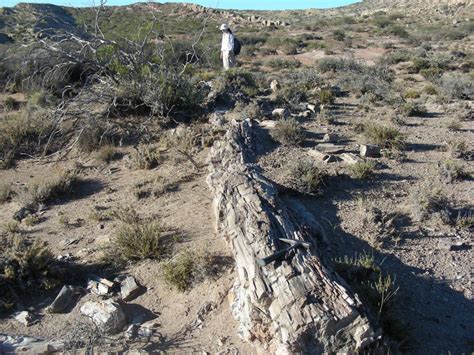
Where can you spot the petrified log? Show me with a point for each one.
(296, 304)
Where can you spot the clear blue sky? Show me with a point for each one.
(225, 4)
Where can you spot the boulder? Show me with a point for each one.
(274, 86)
(107, 315)
(350, 158)
(280, 112)
(329, 138)
(129, 288)
(369, 151)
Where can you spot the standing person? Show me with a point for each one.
(227, 48)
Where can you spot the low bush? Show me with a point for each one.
(6, 192)
(289, 132)
(456, 86)
(339, 35)
(450, 171)
(25, 267)
(428, 199)
(279, 63)
(306, 177)
(107, 153)
(179, 272)
(56, 186)
(413, 108)
(136, 239)
(145, 156)
(326, 96)
(383, 135)
(362, 170)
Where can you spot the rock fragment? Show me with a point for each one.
(107, 315)
(129, 288)
(24, 318)
(63, 299)
(369, 151)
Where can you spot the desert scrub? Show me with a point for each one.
(107, 153)
(288, 132)
(9, 104)
(279, 63)
(377, 291)
(306, 177)
(59, 185)
(326, 96)
(136, 239)
(411, 94)
(6, 192)
(427, 200)
(362, 170)
(233, 81)
(145, 156)
(25, 267)
(179, 272)
(251, 110)
(413, 108)
(450, 171)
(456, 86)
(457, 149)
(454, 124)
(385, 136)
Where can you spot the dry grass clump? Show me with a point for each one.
(6, 192)
(456, 86)
(457, 149)
(24, 267)
(427, 200)
(136, 239)
(251, 110)
(189, 268)
(306, 177)
(326, 96)
(414, 109)
(145, 156)
(454, 124)
(56, 186)
(107, 153)
(362, 170)
(289, 132)
(450, 171)
(385, 136)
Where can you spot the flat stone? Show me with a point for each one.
(97, 288)
(129, 288)
(330, 148)
(107, 315)
(350, 158)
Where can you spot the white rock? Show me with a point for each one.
(107, 315)
(24, 318)
(281, 112)
(128, 288)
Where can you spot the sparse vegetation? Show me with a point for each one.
(427, 200)
(107, 153)
(6, 192)
(450, 171)
(136, 239)
(306, 177)
(383, 135)
(145, 156)
(362, 170)
(289, 132)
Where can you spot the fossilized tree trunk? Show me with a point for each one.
(293, 305)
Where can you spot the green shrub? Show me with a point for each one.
(326, 96)
(411, 94)
(136, 239)
(456, 86)
(413, 108)
(234, 81)
(179, 273)
(339, 35)
(289, 132)
(362, 170)
(383, 135)
(450, 171)
(9, 104)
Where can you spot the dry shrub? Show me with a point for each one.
(136, 239)
(362, 170)
(289, 132)
(306, 177)
(6, 192)
(56, 186)
(145, 156)
(24, 267)
(385, 136)
(450, 171)
(427, 200)
(458, 149)
(107, 153)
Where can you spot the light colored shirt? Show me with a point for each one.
(227, 42)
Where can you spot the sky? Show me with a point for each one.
(224, 4)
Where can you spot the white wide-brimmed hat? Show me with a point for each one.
(224, 27)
